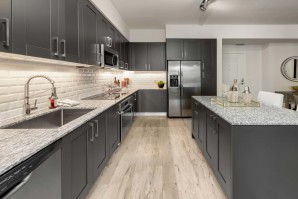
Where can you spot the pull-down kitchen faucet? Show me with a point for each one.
(28, 107)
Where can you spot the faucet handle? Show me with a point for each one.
(34, 107)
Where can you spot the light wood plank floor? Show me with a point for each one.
(157, 160)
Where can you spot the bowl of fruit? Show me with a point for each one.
(160, 84)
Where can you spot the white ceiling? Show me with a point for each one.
(256, 41)
(151, 14)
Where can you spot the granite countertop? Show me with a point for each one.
(263, 115)
(18, 145)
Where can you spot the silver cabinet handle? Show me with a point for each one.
(97, 126)
(16, 188)
(126, 65)
(56, 42)
(182, 55)
(111, 42)
(203, 75)
(203, 66)
(92, 133)
(185, 54)
(63, 46)
(98, 54)
(146, 66)
(5, 22)
(149, 67)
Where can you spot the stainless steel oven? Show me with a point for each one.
(109, 57)
(126, 117)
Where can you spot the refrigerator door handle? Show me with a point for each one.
(182, 90)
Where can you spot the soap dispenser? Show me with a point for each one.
(246, 95)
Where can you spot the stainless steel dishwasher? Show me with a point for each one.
(35, 178)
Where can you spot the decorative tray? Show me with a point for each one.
(224, 102)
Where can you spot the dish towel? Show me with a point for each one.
(67, 103)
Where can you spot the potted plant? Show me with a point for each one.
(160, 84)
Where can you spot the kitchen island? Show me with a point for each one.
(251, 150)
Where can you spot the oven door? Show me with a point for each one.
(126, 120)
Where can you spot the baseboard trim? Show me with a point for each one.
(151, 114)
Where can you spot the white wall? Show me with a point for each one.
(220, 32)
(273, 55)
(110, 11)
(147, 35)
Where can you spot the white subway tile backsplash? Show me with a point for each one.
(70, 83)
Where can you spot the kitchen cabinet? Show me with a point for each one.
(183, 49)
(73, 35)
(5, 25)
(208, 67)
(211, 146)
(38, 28)
(113, 129)
(99, 147)
(102, 29)
(139, 59)
(148, 56)
(124, 53)
(152, 100)
(111, 35)
(91, 49)
(77, 162)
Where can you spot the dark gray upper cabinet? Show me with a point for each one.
(102, 29)
(148, 56)
(73, 13)
(5, 25)
(174, 49)
(112, 35)
(152, 101)
(139, 59)
(209, 67)
(156, 56)
(89, 33)
(37, 28)
(100, 154)
(113, 130)
(183, 49)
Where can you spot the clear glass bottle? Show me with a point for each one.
(246, 95)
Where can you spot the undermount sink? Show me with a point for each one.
(51, 120)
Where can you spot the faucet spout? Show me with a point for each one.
(27, 101)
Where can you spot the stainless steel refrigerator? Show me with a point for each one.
(184, 81)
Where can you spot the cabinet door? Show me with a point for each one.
(89, 27)
(111, 34)
(191, 50)
(99, 145)
(5, 25)
(76, 160)
(224, 154)
(195, 119)
(174, 49)
(73, 13)
(152, 101)
(201, 126)
(211, 148)
(113, 130)
(102, 29)
(33, 33)
(139, 59)
(156, 56)
(208, 67)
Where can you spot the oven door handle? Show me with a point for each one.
(126, 108)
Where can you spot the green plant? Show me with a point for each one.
(160, 84)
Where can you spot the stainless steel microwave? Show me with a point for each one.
(109, 57)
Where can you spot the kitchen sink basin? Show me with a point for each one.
(51, 120)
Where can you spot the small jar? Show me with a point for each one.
(246, 95)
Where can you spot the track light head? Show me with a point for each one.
(204, 5)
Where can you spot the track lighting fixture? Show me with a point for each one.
(204, 5)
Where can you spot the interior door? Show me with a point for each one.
(190, 85)
(174, 109)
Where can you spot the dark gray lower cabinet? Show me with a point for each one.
(84, 157)
(248, 161)
(113, 129)
(152, 100)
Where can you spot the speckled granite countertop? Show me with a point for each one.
(264, 115)
(18, 145)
